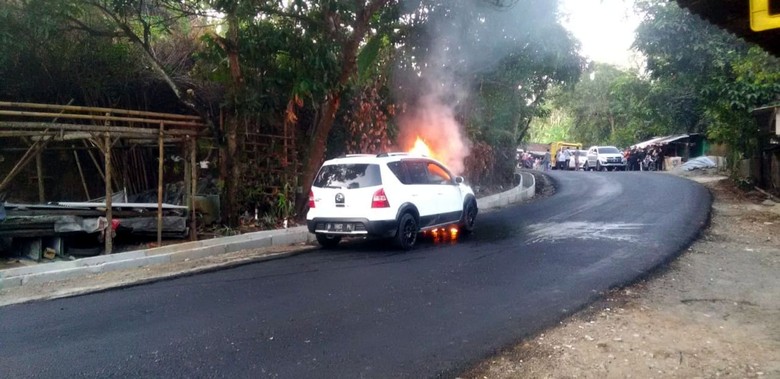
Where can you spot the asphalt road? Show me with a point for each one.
(365, 310)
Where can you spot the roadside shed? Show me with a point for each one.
(105, 141)
(766, 171)
(684, 146)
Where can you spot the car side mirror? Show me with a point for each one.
(459, 179)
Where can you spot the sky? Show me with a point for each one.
(605, 28)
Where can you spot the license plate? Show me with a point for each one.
(340, 227)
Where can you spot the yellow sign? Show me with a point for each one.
(760, 18)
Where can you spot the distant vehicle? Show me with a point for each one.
(558, 145)
(582, 157)
(391, 195)
(605, 158)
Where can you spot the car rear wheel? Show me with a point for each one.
(327, 241)
(469, 218)
(406, 236)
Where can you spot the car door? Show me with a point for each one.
(445, 194)
(593, 156)
(419, 191)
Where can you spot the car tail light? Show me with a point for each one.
(379, 200)
(311, 199)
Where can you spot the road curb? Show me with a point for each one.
(62, 270)
(523, 191)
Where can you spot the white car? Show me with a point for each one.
(605, 158)
(581, 158)
(393, 195)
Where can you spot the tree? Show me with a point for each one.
(709, 78)
(608, 106)
(486, 66)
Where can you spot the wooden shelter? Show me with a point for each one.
(40, 126)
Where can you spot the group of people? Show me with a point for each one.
(562, 157)
(650, 158)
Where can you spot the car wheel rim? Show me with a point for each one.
(409, 231)
(470, 216)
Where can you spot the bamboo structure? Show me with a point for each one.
(44, 124)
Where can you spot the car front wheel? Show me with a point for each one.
(328, 242)
(406, 236)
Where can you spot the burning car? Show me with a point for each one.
(389, 195)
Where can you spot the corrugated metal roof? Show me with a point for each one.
(734, 16)
(660, 140)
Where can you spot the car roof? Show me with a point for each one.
(375, 158)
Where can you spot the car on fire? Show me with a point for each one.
(389, 195)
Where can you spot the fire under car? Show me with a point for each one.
(390, 195)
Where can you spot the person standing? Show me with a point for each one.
(566, 158)
(576, 160)
(631, 159)
(659, 160)
(546, 160)
(640, 157)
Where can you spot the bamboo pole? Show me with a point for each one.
(160, 186)
(26, 158)
(94, 160)
(39, 173)
(81, 173)
(98, 110)
(141, 132)
(132, 138)
(109, 215)
(193, 188)
(97, 118)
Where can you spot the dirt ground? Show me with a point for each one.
(712, 313)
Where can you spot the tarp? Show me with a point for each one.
(698, 163)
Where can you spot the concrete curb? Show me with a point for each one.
(525, 190)
(56, 271)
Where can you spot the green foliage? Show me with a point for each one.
(699, 79)
(555, 126)
(710, 79)
(607, 106)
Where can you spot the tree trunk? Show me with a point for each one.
(317, 145)
(230, 148)
(233, 172)
(317, 148)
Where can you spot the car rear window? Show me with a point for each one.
(348, 176)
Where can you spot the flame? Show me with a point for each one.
(420, 147)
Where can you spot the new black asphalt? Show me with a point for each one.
(366, 310)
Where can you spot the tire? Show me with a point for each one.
(406, 236)
(327, 241)
(585, 167)
(598, 166)
(469, 218)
